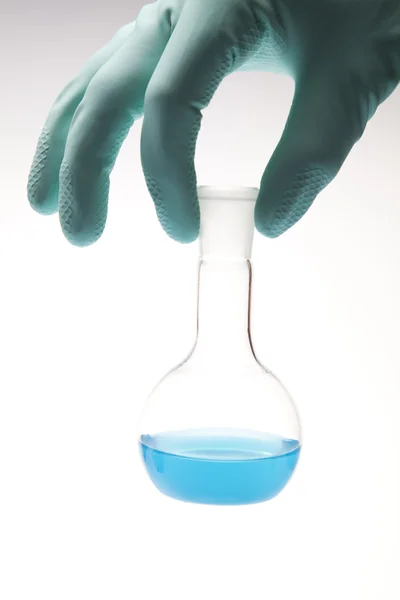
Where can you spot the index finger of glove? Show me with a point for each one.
(208, 41)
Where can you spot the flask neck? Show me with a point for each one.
(223, 313)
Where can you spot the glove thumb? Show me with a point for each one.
(326, 119)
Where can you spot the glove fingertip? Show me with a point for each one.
(179, 217)
(82, 211)
(284, 201)
(42, 189)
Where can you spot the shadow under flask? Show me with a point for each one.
(220, 428)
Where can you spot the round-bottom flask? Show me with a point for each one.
(220, 428)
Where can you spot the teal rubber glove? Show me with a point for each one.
(344, 56)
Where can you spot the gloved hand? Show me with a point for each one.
(344, 56)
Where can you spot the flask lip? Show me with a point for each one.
(227, 193)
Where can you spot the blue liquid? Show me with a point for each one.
(219, 467)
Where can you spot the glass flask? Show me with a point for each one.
(220, 428)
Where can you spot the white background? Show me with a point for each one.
(84, 335)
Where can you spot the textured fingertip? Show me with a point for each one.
(82, 226)
(42, 190)
(182, 225)
(277, 209)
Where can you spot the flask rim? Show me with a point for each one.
(211, 192)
